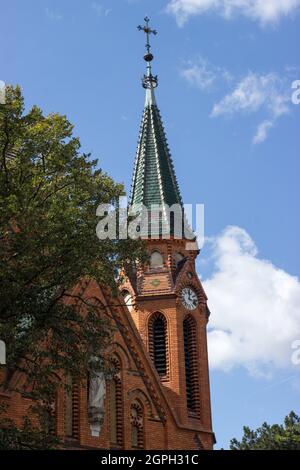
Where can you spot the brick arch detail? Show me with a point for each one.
(123, 356)
(140, 395)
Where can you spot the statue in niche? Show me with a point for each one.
(2, 353)
(97, 391)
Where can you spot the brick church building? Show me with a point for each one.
(159, 396)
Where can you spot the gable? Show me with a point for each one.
(129, 346)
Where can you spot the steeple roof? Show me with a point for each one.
(154, 180)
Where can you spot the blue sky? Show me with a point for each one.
(225, 73)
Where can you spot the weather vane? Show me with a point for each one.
(148, 81)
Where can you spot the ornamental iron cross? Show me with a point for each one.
(147, 30)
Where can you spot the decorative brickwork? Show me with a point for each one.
(137, 425)
(166, 423)
(116, 405)
(72, 411)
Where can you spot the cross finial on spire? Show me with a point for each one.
(147, 30)
(148, 81)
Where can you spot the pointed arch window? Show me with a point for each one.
(116, 405)
(191, 364)
(137, 425)
(158, 346)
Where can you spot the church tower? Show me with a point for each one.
(166, 299)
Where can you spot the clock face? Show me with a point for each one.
(189, 298)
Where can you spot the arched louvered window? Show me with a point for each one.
(72, 408)
(156, 260)
(116, 406)
(158, 343)
(137, 425)
(191, 364)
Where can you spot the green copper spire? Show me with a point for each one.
(154, 180)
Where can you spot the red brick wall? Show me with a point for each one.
(166, 421)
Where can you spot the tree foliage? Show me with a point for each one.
(49, 193)
(284, 436)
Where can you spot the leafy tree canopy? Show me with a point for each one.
(284, 436)
(49, 193)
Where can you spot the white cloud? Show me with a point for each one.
(268, 93)
(203, 75)
(262, 132)
(264, 11)
(255, 307)
(252, 93)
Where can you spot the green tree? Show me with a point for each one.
(284, 436)
(49, 192)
